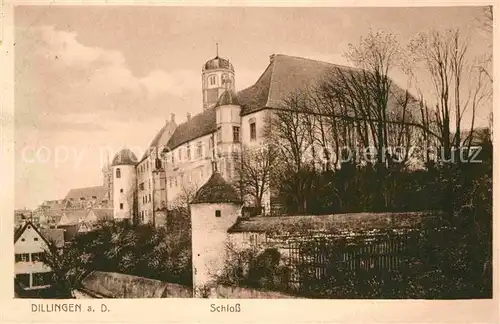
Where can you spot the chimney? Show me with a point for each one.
(271, 58)
(188, 116)
(172, 118)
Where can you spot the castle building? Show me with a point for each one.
(182, 157)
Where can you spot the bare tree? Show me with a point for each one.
(254, 168)
(445, 57)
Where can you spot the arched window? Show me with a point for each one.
(211, 79)
(118, 173)
(224, 80)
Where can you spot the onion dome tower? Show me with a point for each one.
(217, 76)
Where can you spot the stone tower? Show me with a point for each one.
(217, 76)
(214, 210)
(107, 179)
(228, 134)
(124, 185)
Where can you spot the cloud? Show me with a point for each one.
(62, 77)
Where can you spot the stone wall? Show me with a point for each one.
(117, 285)
(247, 293)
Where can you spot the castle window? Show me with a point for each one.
(188, 152)
(118, 173)
(121, 205)
(217, 213)
(173, 158)
(176, 184)
(211, 79)
(253, 132)
(94, 197)
(198, 150)
(236, 134)
(180, 154)
(121, 190)
(219, 135)
(149, 197)
(141, 186)
(171, 181)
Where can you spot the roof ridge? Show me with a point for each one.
(319, 61)
(273, 63)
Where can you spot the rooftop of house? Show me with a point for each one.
(332, 224)
(216, 190)
(55, 236)
(88, 193)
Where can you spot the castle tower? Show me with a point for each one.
(107, 179)
(228, 134)
(124, 185)
(217, 76)
(214, 210)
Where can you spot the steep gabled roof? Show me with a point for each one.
(101, 214)
(216, 190)
(88, 192)
(71, 217)
(199, 125)
(21, 230)
(55, 235)
(161, 138)
(283, 76)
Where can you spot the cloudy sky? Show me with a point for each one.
(92, 78)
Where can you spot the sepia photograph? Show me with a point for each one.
(252, 153)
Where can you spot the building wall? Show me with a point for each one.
(209, 239)
(144, 189)
(28, 243)
(185, 175)
(124, 191)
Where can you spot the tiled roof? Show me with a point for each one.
(55, 235)
(103, 213)
(199, 125)
(124, 157)
(331, 224)
(161, 137)
(227, 98)
(21, 230)
(71, 217)
(216, 190)
(88, 192)
(283, 76)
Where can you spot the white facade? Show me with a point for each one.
(209, 224)
(124, 191)
(29, 270)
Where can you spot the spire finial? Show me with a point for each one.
(216, 49)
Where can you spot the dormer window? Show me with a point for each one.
(118, 173)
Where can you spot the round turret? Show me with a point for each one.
(124, 184)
